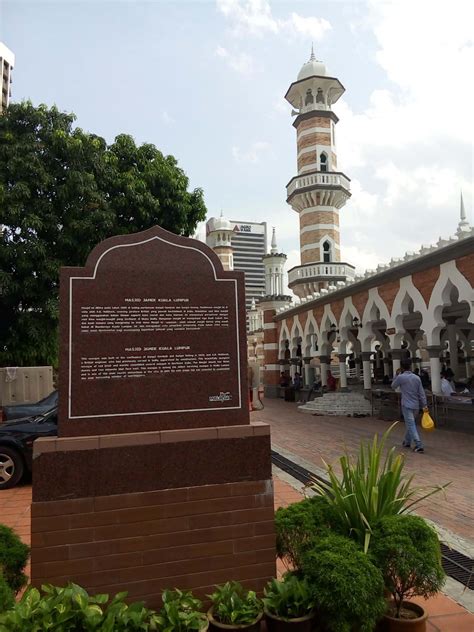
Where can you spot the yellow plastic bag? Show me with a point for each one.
(426, 421)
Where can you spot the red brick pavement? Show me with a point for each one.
(296, 432)
(448, 456)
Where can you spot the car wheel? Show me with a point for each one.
(11, 467)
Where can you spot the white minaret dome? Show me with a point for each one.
(313, 67)
(221, 223)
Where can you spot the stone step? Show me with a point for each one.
(339, 403)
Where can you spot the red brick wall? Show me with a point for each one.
(465, 265)
(425, 281)
(388, 292)
(189, 538)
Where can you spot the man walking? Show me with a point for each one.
(413, 398)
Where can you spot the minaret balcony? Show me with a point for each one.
(337, 271)
(318, 180)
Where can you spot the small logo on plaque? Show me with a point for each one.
(222, 397)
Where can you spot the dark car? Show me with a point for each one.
(16, 444)
(18, 411)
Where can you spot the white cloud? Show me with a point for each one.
(166, 118)
(361, 259)
(254, 17)
(311, 27)
(412, 145)
(243, 63)
(251, 155)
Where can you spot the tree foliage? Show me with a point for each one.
(62, 191)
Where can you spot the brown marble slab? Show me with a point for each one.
(152, 338)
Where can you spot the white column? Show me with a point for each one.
(453, 348)
(357, 361)
(396, 358)
(324, 370)
(342, 372)
(435, 368)
(467, 360)
(367, 365)
(306, 372)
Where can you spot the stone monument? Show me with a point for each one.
(157, 478)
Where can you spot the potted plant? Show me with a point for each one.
(181, 612)
(298, 524)
(347, 586)
(289, 605)
(407, 551)
(371, 486)
(234, 608)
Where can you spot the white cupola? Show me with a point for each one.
(313, 88)
(219, 238)
(312, 68)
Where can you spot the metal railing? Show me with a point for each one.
(321, 270)
(321, 179)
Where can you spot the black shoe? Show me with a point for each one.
(406, 445)
(418, 449)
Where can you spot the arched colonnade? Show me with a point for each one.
(366, 335)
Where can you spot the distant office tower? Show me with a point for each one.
(7, 61)
(248, 247)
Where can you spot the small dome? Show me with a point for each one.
(222, 223)
(312, 67)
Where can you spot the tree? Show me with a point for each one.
(62, 191)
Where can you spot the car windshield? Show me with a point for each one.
(51, 415)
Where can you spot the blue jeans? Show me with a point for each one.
(410, 425)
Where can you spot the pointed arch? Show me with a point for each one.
(408, 291)
(311, 335)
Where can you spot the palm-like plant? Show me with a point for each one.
(371, 487)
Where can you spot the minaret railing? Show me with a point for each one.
(321, 179)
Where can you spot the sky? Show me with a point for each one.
(205, 81)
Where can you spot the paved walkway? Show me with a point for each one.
(448, 456)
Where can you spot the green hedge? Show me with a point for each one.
(14, 556)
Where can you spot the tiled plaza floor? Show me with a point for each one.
(448, 456)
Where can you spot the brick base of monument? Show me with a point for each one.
(148, 532)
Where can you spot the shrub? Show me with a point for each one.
(407, 551)
(371, 487)
(13, 558)
(298, 524)
(6, 594)
(233, 605)
(181, 612)
(348, 588)
(290, 598)
(71, 609)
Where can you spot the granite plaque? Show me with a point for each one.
(152, 338)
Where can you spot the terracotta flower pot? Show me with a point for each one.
(277, 624)
(217, 625)
(390, 623)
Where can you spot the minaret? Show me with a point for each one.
(274, 264)
(464, 228)
(219, 238)
(319, 190)
(268, 305)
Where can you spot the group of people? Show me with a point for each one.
(297, 382)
